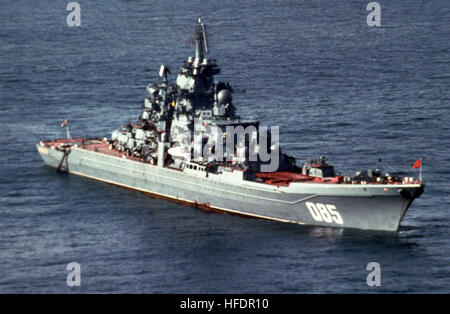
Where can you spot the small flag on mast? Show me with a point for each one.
(418, 163)
(66, 124)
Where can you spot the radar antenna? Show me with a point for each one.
(201, 42)
(205, 39)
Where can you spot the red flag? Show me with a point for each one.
(418, 163)
(64, 123)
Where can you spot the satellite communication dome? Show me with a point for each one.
(152, 89)
(224, 97)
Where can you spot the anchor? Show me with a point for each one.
(64, 157)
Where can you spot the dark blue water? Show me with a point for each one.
(335, 86)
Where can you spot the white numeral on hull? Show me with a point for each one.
(324, 212)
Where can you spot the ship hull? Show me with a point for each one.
(368, 207)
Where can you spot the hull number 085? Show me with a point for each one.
(324, 212)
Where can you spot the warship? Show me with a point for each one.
(190, 146)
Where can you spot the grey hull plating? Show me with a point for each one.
(370, 207)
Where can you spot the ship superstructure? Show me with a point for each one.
(180, 120)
